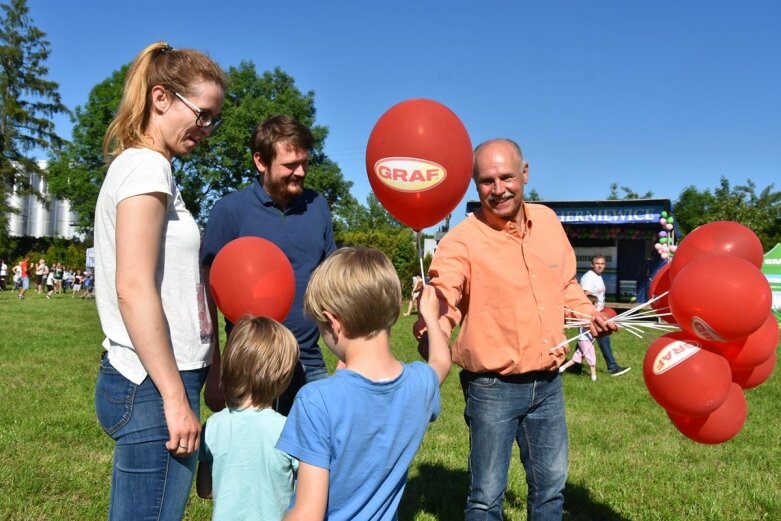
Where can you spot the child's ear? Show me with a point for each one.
(334, 323)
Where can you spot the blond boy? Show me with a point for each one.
(356, 432)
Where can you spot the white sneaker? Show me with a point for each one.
(593, 378)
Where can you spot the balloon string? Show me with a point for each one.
(419, 241)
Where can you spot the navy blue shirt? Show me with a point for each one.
(304, 232)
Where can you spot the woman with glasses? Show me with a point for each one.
(149, 290)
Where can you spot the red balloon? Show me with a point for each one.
(720, 237)
(251, 275)
(721, 425)
(756, 376)
(659, 285)
(720, 298)
(751, 351)
(683, 378)
(419, 162)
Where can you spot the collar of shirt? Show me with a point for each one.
(508, 227)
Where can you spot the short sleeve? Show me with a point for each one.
(205, 454)
(306, 432)
(220, 230)
(432, 391)
(146, 172)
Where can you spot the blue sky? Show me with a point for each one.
(654, 95)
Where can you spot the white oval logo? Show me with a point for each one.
(703, 330)
(409, 174)
(673, 354)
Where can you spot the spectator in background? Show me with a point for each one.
(50, 284)
(17, 277)
(59, 273)
(592, 284)
(41, 271)
(417, 287)
(77, 280)
(24, 277)
(3, 274)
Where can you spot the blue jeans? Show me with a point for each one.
(147, 481)
(607, 352)
(526, 409)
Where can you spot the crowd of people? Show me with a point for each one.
(47, 280)
(287, 439)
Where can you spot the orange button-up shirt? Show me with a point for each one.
(508, 289)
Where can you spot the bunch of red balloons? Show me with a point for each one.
(720, 299)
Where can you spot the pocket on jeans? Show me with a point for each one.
(113, 398)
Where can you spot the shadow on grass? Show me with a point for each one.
(579, 506)
(437, 491)
(441, 493)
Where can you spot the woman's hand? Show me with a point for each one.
(184, 428)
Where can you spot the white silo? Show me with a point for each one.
(39, 224)
(17, 221)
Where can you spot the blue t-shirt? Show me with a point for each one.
(251, 480)
(304, 232)
(365, 433)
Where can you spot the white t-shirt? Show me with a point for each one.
(139, 171)
(594, 284)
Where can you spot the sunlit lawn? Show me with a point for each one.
(626, 460)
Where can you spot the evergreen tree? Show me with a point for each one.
(28, 101)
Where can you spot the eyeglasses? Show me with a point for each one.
(205, 119)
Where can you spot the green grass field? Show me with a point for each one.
(627, 462)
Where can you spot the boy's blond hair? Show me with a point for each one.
(360, 287)
(258, 361)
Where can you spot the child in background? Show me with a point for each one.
(50, 284)
(357, 432)
(88, 285)
(239, 466)
(77, 278)
(585, 350)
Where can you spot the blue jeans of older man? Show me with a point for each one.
(607, 352)
(147, 481)
(526, 409)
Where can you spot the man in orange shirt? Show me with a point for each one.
(506, 274)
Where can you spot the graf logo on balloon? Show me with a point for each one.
(704, 331)
(409, 174)
(673, 354)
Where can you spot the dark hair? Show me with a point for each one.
(279, 129)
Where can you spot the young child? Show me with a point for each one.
(356, 432)
(50, 284)
(239, 465)
(585, 350)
